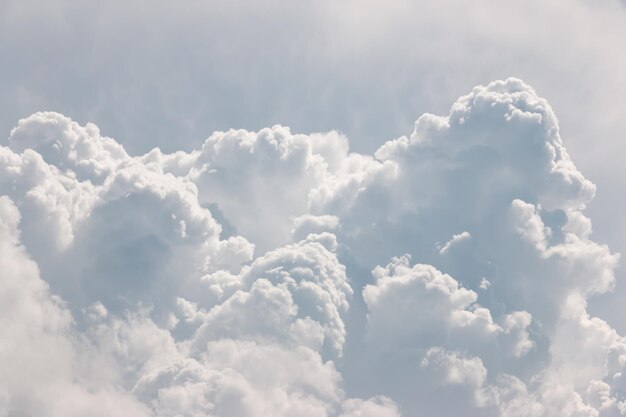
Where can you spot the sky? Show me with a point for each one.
(331, 209)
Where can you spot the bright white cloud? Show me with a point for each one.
(233, 280)
(153, 74)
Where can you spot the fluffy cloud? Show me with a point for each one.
(318, 66)
(42, 361)
(131, 229)
(234, 280)
(495, 168)
(295, 294)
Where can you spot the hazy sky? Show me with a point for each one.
(312, 208)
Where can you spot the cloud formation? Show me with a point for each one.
(234, 280)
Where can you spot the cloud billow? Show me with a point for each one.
(226, 281)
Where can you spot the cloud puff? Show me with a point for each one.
(455, 239)
(440, 311)
(235, 279)
(298, 292)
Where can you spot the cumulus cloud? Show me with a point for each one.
(43, 362)
(295, 63)
(273, 273)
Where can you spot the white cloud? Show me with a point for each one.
(374, 407)
(233, 279)
(296, 295)
(154, 74)
(455, 239)
(307, 224)
(41, 359)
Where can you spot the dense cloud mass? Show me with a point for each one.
(278, 274)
